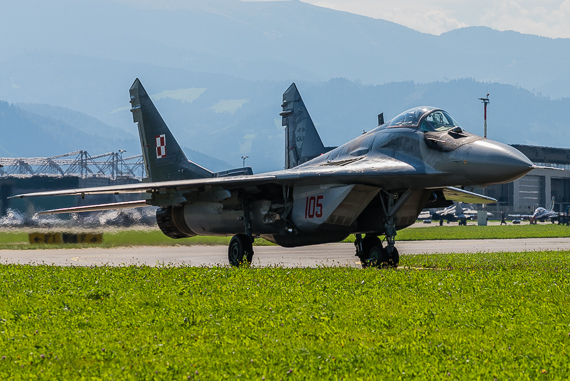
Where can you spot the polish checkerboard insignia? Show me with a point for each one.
(160, 146)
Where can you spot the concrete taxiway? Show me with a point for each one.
(307, 256)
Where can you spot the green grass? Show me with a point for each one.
(154, 237)
(482, 316)
(117, 238)
(481, 232)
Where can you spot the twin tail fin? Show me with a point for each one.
(164, 160)
(302, 141)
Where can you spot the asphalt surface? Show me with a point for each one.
(308, 256)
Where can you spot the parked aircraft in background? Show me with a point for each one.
(425, 215)
(452, 213)
(540, 214)
(373, 185)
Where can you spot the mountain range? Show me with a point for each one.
(216, 70)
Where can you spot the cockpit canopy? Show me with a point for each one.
(429, 118)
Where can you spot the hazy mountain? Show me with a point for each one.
(50, 131)
(208, 162)
(515, 115)
(100, 87)
(26, 134)
(80, 121)
(287, 40)
(225, 118)
(217, 69)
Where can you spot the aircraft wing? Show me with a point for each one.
(98, 208)
(388, 173)
(373, 172)
(233, 182)
(460, 195)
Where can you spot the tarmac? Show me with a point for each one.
(335, 254)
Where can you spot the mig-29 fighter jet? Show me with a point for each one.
(540, 214)
(371, 186)
(454, 213)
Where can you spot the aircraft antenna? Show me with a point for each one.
(380, 119)
(485, 101)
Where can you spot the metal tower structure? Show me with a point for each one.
(485, 101)
(110, 165)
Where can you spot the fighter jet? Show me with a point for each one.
(540, 214)
(454, 213)
(371, 186)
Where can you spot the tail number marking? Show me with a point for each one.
(160, 146)
(314, 207)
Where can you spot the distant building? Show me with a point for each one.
(68, 171)
(538, 186)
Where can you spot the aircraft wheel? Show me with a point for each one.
(377, 257)
(368, 242)
(240, 250)
(395, 260)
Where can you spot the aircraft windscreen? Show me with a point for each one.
(439, 121)
(409, 118)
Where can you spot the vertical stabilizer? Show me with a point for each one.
(459, 210)
(302, 141)
(552, 204)
(163, 158)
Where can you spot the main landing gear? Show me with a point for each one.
(240, 250)
(369, 249)
(372, 254)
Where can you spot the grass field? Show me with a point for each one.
(154, 237)
(485, 316)
(483, 232)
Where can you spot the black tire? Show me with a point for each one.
(368, 242)
(377, 257)
(395, 260)
(240, 250)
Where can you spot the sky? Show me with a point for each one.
(549, 18)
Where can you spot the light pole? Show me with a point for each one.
(243, 158)
(485, 101)
(121, 151)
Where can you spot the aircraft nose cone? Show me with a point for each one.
(491, 162)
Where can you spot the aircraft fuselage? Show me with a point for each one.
(328, 206)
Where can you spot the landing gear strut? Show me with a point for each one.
(369, 249)
(372, 254)
(240, 250)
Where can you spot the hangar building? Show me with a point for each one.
(72, 170)
(538, 186)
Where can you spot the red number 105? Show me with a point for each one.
(314, 207)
